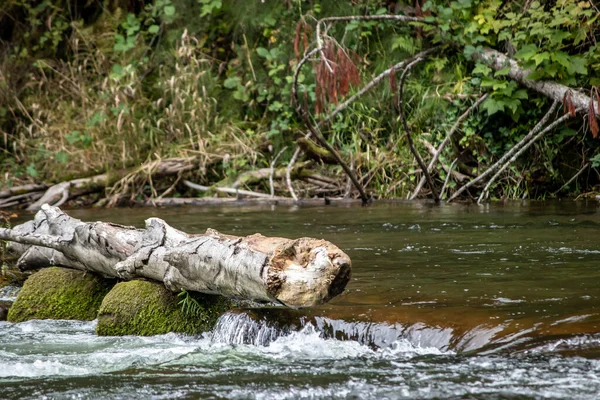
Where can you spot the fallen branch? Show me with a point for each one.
(521, 151)
(448, 174)
(262, 174)
(555, 91)
(21, 190)
(237, 192)
(446, 140)
(433, 151)
(314, 151)
(567, 183)
(26, 198)
(313, 130)
(509, 153)
(272, 171)
(411, 144)
(303, 272)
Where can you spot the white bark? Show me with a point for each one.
(497, 61)
(303, 272)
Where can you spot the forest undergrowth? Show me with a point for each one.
(139, 102)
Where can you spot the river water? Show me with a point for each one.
(479, 302)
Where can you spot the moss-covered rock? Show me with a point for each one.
(60, 293)
(148, 308)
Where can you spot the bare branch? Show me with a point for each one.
(273, 171)
(521, 151)
(446, 140)
(509, 153)
(411, 144)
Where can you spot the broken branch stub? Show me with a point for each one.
(297, 273)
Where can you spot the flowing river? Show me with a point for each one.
(453, 301)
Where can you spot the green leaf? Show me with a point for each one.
(595, 161)
(231, 83)
(502, 72)
(153, 29)
(73, 137)
(540, 58)
(492, 106)
(578, 65)
(31, 171)
(62, 157)
(261, 51)
(269, 20)
(527, 52)
(482, 69)
(169, 11)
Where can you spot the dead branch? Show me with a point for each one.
(237, 192)
(457, 175)
(446, 140)
(521, 151)
(555, 91)
(509, 153)
(20, 190)
(411, 144)
(448, 174)
(567, 183)
(262, 174)
(272, 172)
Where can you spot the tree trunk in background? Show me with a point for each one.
(555, 91)
(303, 272)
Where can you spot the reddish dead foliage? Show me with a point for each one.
(335, 73)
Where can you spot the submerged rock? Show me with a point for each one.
(148, 308)
(60, 293)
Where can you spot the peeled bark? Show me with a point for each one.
(303, 272)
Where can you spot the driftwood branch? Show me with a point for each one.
(303, 272)
(445, 142)
(509, 153)
(236, 191)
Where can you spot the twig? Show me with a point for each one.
(288, 173)
(411, 144)
(273, 171)
(573, 178)
(348, 189)
(508, 154)
(521, 151)
(304, 115)
(446, 140)
(448, 178)
(401, 18)
(229, 190)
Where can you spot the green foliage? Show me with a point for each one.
(108, 88)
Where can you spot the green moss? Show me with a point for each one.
(148, 308)
(60, 293)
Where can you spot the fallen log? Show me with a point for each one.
(297, 273)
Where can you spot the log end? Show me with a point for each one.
(307, 272)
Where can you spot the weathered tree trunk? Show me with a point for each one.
(553, 90)
(297, 273)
